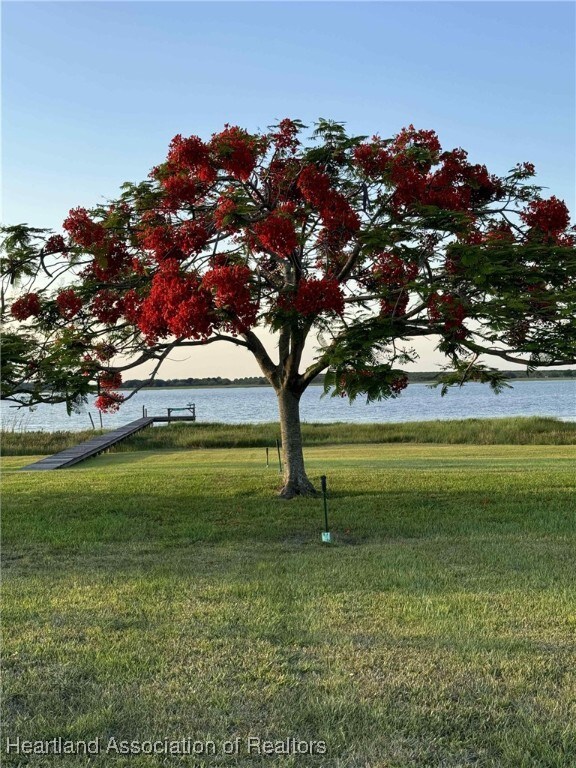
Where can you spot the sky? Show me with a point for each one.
(93, 92)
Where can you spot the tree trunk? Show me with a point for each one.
(296, 482)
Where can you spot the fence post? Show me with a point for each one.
(326, 538)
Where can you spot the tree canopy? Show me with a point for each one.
(361, 243)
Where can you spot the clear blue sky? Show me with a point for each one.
(93, 92)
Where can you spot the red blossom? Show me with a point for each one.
(372, 158)
(314, 186)
(394, 305)
(399, 383)
(224, 213)
(115, 260)
(110, 379)
(412, 155)
(55, 244)
(26, 306)
(499, 234)
(277, 233)
(107, 306)
(525, 170)
(366, 157)
(109, 402)
(340, 222)
(150, 318)
(177, 304)
(392, 274)
(131, 305)
(280, 179)
(166, 241)
(139, 265)
(69, 303)
(83, 230)
(472, 235)
(236, 151)
(285, 136)
(314, 296)
(484, 186)
(221, 260)
(528, 168)
(111, 255)
(160, 239)
(410, 138)
(391, 271)
(191, 237)
(455, 185)
(89, 367)
(450, 311)
(230, 285)
(192, 155)
(548, 217)
(179, 189)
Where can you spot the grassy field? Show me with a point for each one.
(153, 595)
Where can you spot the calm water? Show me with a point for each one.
(258, 404)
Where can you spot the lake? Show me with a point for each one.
(236, 405)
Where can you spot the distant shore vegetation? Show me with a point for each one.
(260, 381)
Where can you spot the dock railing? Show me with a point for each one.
(191, 408)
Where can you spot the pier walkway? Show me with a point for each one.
(100, 443)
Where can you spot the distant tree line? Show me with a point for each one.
(211, 381)
(260, 381)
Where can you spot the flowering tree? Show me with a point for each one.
(361, 244)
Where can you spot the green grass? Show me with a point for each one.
(535, 430)
(164, 595)
(16, 443)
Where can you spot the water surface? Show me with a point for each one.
(235, 405)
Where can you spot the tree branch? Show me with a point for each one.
(505, 355)
(263, 359)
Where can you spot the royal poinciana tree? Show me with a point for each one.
(357, 244)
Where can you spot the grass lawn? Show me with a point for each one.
(164, 595)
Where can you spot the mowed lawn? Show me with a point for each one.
(168, 595)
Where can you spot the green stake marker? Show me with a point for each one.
(326, 538)
(267, 461)
(279, 456)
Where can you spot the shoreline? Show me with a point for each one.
(427, 382)
(381, 426)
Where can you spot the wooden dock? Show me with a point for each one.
(101, 443)
(91, 447)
